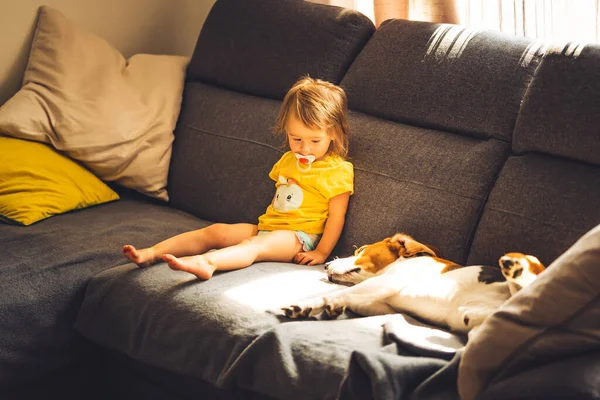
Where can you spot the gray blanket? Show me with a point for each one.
(229, 332)
(420, 367)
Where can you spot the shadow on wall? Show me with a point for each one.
(11, 82)
(140, 26)
(174, 30)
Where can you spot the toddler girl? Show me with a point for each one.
(306, 216)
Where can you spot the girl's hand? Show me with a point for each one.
(314, 257)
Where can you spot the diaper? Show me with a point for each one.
(309, 241)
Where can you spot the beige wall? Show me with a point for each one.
(132, 26)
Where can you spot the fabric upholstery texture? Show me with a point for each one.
(46, 267)
(539, 205)
(443, 76)
(136, 380)
(560, 111)
(427, 183)
(230, 332)
(235, 186)
(557, 316)
(114, 115)
(435, 108)
(284, 38)
(574, 377)
(36, 182)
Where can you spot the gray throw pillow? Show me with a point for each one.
(555, 317)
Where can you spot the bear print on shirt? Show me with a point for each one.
(289, 195)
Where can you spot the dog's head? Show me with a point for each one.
(372, 259)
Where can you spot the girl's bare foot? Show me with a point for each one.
(196, 265)
(142, 258)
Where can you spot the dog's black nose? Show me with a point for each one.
(326, 266)
(506, 262)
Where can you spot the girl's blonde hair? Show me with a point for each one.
(318, 104)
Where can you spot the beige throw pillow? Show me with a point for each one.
(115, 116)
(557, 316)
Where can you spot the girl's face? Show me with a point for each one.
(306, 141)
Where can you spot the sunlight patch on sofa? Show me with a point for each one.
(533, 54)
(569, 49)
(281, 289)
(448, 42)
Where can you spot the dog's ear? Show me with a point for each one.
(436, 251)
(535, 265)
(416, 249)
(400, 238)
(409, 247)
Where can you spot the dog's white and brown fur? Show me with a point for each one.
(399, 274)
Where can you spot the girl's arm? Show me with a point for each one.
(338, 206)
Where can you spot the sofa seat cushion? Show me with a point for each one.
(230, 332)
(45, 267)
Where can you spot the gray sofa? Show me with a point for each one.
(477, 142)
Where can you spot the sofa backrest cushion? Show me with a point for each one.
(248, 55)
(427, 183)
(546, 194)
(434, 107)
(443, 76)
(539, 205)
(262, 47)
(561, 112)
(223, 153)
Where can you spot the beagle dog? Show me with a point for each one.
(401, 275)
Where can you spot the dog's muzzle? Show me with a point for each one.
(331, 276)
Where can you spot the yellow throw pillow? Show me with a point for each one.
(114, 115)
(36, 183)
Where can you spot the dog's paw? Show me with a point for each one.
(512, 266)
(305, 309)
(520, 270)
(334, 311)
(296, 311)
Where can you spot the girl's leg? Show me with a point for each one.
(274, 246)
(214, 236)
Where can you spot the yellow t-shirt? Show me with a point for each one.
(302, 198)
